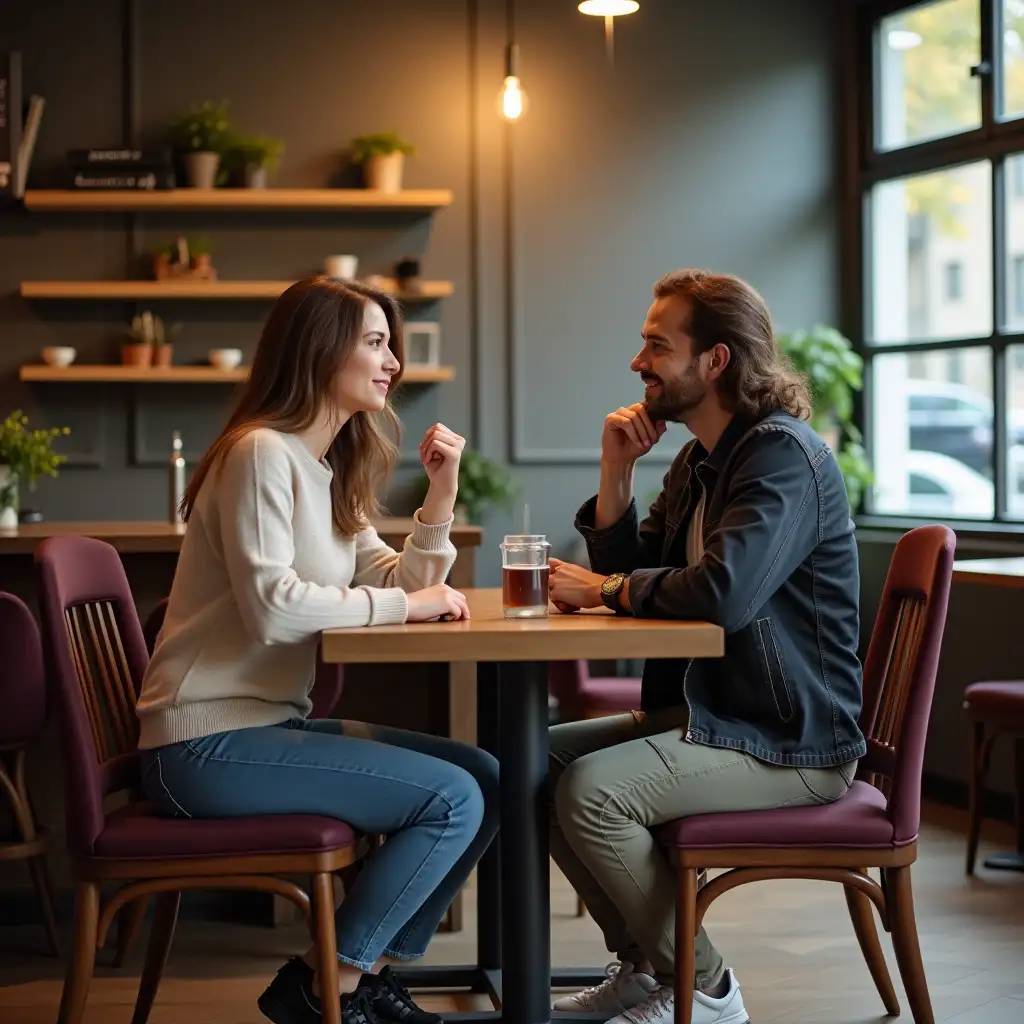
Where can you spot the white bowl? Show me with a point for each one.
(59, 355)
(225, 358)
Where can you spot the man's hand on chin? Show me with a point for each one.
(572, 587)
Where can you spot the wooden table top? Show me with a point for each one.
(999, 572)
(155, 537)
(488, 636)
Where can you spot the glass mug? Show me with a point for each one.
(524, 576)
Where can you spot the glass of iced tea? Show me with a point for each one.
(524, 576)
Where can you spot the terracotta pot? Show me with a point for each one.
(162, 266)
(202, 262)
(137, 354)
(384, 173)
(162, 355)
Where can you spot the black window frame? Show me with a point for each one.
(863, 167)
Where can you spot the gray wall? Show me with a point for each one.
(710, 143)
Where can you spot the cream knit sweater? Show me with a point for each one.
(261, 572)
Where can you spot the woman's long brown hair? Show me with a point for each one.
(310, 332)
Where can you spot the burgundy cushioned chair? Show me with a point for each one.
(876, 824)
(581, 695)
(97, 657)
(22, 717)
(327, 686)
(995, 709)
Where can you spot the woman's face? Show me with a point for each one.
(364, 379)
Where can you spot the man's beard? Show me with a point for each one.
(677, 398)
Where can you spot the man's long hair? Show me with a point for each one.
(725, 310)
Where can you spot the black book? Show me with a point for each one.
(142, 180)
(120, 157)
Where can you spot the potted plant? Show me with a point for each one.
(835, 373)
(482, 483)
(407, 276)
(151, 344)
(25, 455)
(202, 134)
(382, 156)
(200, 257)
(253, 158)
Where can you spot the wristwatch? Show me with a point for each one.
(611, 588)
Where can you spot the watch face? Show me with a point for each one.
(612, 584)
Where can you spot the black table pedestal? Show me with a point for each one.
(513, 877)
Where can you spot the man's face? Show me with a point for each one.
(674, 384)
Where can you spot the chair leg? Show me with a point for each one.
(83, 956)
(862, 916)
(979, 764)
(21, 805)
(581, 907)
(905, 941)
(44, 893)
(326, 947)
(129, 921)
(686, 935)
(165, 916)
(1018, 757)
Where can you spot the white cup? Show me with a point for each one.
(342, 267)
(59, 355)
(225, 358)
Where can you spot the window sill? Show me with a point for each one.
(971, 534)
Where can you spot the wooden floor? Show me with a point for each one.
(790, 943)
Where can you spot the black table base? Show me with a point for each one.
(513, 880)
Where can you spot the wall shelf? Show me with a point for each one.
(156, 290)
(229, 199)
(101, 373)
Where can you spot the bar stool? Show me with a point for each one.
(22, 717)
(995, 709)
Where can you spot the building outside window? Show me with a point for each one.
(941, 180)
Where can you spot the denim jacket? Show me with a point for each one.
(780, 575)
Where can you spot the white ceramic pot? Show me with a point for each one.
(344, 268)
(59, 355)
(225, 358)
(202, 169)
(384, 173)
(256, 176)
(8, 499)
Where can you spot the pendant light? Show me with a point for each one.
(512, 99)
(609, 10)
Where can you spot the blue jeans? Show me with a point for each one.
(435, 799)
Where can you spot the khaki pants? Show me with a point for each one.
(613, 780)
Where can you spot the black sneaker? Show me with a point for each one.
(289, 999)
(391, 1000)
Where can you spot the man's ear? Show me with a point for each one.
(720, 356)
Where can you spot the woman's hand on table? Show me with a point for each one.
(441, 454)
(571, 587)
(437, 602)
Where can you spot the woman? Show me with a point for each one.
(278, 548)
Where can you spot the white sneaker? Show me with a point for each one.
(620, 991)
(659, 1008)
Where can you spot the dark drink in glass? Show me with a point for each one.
(524, 576)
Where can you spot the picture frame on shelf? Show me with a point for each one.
(422, 343)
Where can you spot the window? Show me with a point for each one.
(954, 281)
(940, 225)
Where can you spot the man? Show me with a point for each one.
(751, 531)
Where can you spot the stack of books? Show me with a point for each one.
(144, 169)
